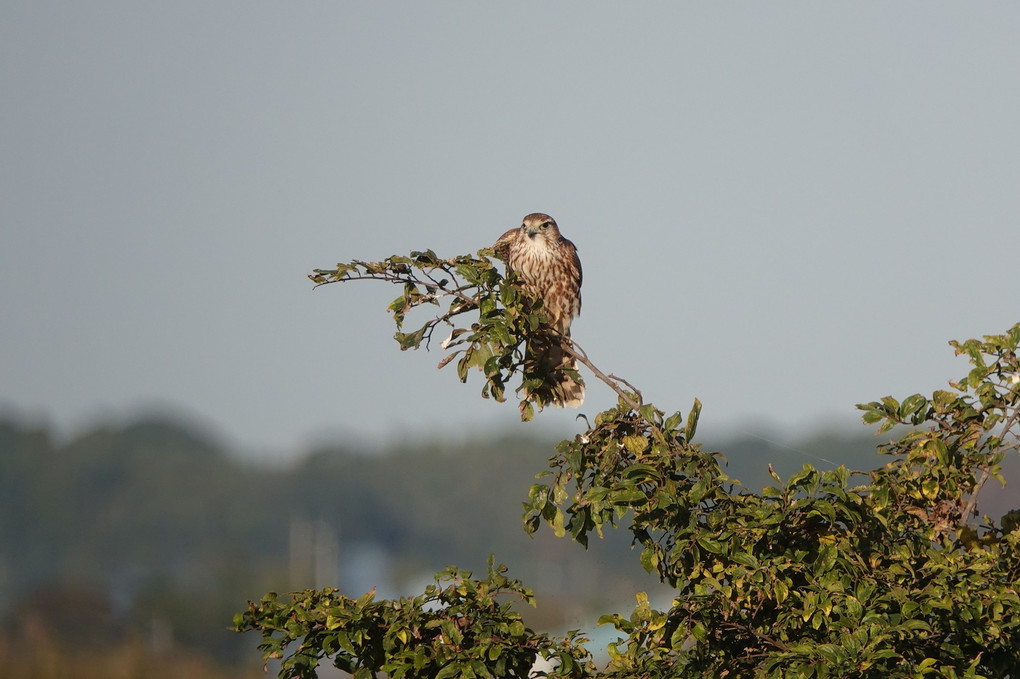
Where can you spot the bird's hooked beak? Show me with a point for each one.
(531, 231)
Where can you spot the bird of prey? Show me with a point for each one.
(549, 270)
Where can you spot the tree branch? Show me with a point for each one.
(574, 350)
(1007, 426)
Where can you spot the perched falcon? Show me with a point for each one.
(550, 270)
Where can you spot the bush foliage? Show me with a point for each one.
(827, 573)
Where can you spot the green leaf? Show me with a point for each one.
(915, 625)
(649, 558)
(468, 272)
(672, 422)
(628, 497)
(781, 591)
(692, 420)
(698, 491)
(425, 257)
(911, 406)
(826, 559)
(451, 669)
(557, 523)
(639, 472)
(409, 340)
(711, 544)
(745, 559)
(635, 444)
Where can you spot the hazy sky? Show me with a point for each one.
(782, 209)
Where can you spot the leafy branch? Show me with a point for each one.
(494, 342)
(825, 573)
(458, 627)
(972, 428)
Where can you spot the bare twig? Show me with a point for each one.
(1007, 425)
(434, 289)
(775, 643)
(427, 338)
(628, 385)
(574, 350)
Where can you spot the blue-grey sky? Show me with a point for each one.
(782, 209)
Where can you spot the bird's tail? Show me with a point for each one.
(550, 373)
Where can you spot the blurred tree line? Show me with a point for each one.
(145, 537)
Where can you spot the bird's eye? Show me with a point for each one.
(545, 225)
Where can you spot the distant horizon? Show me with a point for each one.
(790, 453)
(217, 434)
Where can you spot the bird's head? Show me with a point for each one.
(539, 225)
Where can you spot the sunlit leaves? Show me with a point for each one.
(814, 572)
(457, 627)
(826, 573)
